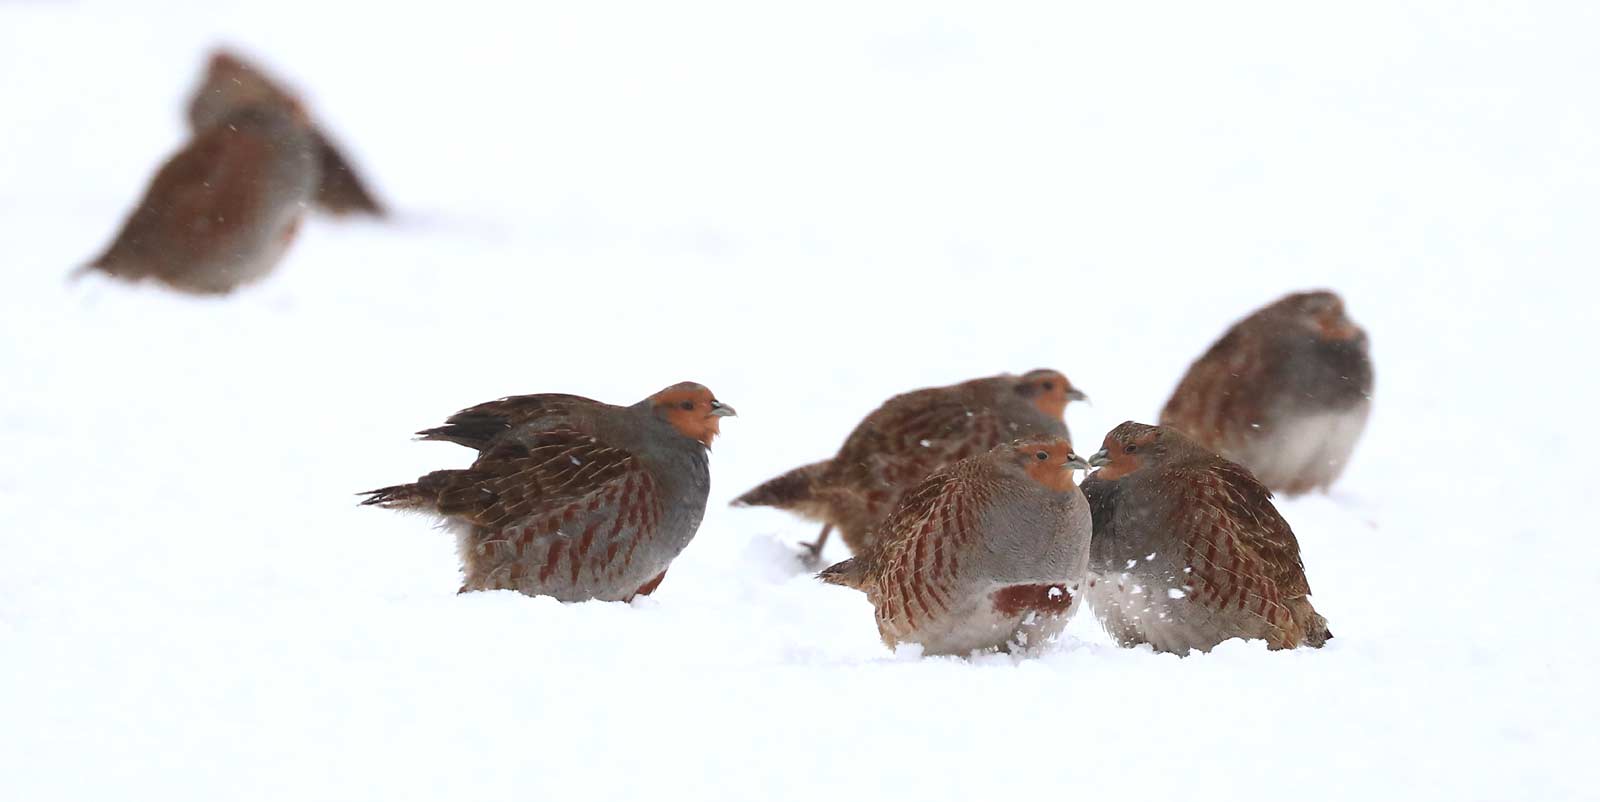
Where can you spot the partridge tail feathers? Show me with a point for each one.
(423, 493)
(342, 191)
(472, 431)
(851, 573)
(791, 491)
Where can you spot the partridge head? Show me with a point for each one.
(692, 410)
(1049, 390)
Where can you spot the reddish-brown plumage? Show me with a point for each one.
(221, 212)
(986, 553)
(570, 497)
(1285, 392)
(1188, 549)
(230, 82)
(909, 437)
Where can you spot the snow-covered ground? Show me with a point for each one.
(808, 208)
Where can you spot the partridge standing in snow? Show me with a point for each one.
(987, 553)
(1285, 393)
(909, 437)
(231, 82)
(570, 497)
(222, 211)
(1188, 550)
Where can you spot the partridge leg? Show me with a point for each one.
(813, 550)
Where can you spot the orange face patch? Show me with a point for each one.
(692, 410)
(1046, 462)
(1125, 457)
(1049, 390)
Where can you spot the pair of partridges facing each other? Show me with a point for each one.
(1172, 545)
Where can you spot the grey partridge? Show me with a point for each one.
(1285, 393)
(223, 210)
(987, 553)
(570, 497)
(910, 436)
(1188, 550)
(230, 82)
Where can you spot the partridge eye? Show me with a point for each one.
(1131, 448)
(1048, 385)
(1040, 455)
(686, 405)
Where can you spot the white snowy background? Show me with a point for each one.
(808, 207)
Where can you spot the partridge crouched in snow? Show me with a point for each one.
(1285, 393)
(570, 497)
(230, 82)
(222, 211)
(987, 553)
(1188, 550)
(909, 437)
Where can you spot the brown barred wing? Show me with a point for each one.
(1242, 555)
(917, 563)
(907, 439)
(556, 512)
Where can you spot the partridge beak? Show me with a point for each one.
(1076, 462)
(1076, 395)
(1100, 458)
(721, 410)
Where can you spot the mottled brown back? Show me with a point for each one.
(898, 445)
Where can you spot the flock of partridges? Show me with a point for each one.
(959, 503)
